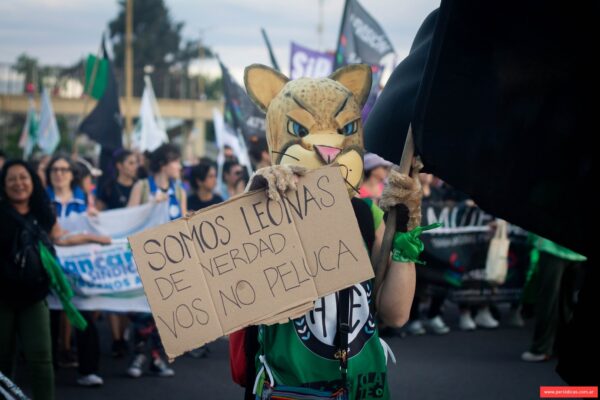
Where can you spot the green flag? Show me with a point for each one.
(96, 76)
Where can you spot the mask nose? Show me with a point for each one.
(327, 153)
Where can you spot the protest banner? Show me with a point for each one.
(250, 260)
(104, 277)
(455, 254)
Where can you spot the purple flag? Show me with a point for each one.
(309, 63)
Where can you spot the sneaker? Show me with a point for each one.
(67, 359)
(135, 368)
(466, 323)
(90, 380)
(415, 328)
(160, 368)
(484, 319)
(436, 325)
(533, 357)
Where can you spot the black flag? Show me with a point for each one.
(240, 111)
(499, 105)
(361, 38)
(104, 124)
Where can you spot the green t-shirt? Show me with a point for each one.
(301, 352)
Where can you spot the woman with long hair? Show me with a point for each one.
(63, 190)
(28, 219)
(67, 196)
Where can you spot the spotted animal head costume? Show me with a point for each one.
(314, 122)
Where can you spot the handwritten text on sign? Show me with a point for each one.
(250, 260)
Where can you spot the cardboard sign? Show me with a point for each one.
(250, 260)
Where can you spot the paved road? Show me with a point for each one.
(460, 365)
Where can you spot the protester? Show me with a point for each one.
(164, 182)
(203, 179)
(232, 171)
(26, 210)
(376, 171)
(258, 150)
(555, 285)
(85, 174)
(115, 193)
(68, 198)
(434, 322)
(229, 154)
(325, 353)
(162, 185)
(241, 182)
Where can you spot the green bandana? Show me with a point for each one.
(408, 246)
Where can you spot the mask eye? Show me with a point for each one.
(350, 128)
(296, 129)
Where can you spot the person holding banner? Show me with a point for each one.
(30, 224)
(66, 190)
(63, 190)
(163, 184)
(112, 195)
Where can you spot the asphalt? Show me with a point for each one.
(484, 364)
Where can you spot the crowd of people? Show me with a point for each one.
(35, 196)
(549, 295)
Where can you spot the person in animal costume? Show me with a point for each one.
(334, 351)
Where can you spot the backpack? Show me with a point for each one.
(24, 269)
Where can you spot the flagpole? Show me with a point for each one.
(128, 69)
(337, 49)
(380, 260)
(270, 49)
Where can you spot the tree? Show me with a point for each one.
(28, 66)
(157, 41)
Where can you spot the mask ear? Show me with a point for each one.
(263, 84)
(357, 79)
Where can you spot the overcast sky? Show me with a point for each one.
(62, 31)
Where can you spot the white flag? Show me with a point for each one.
(149, 131)
(48, 135)
(226, 136)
